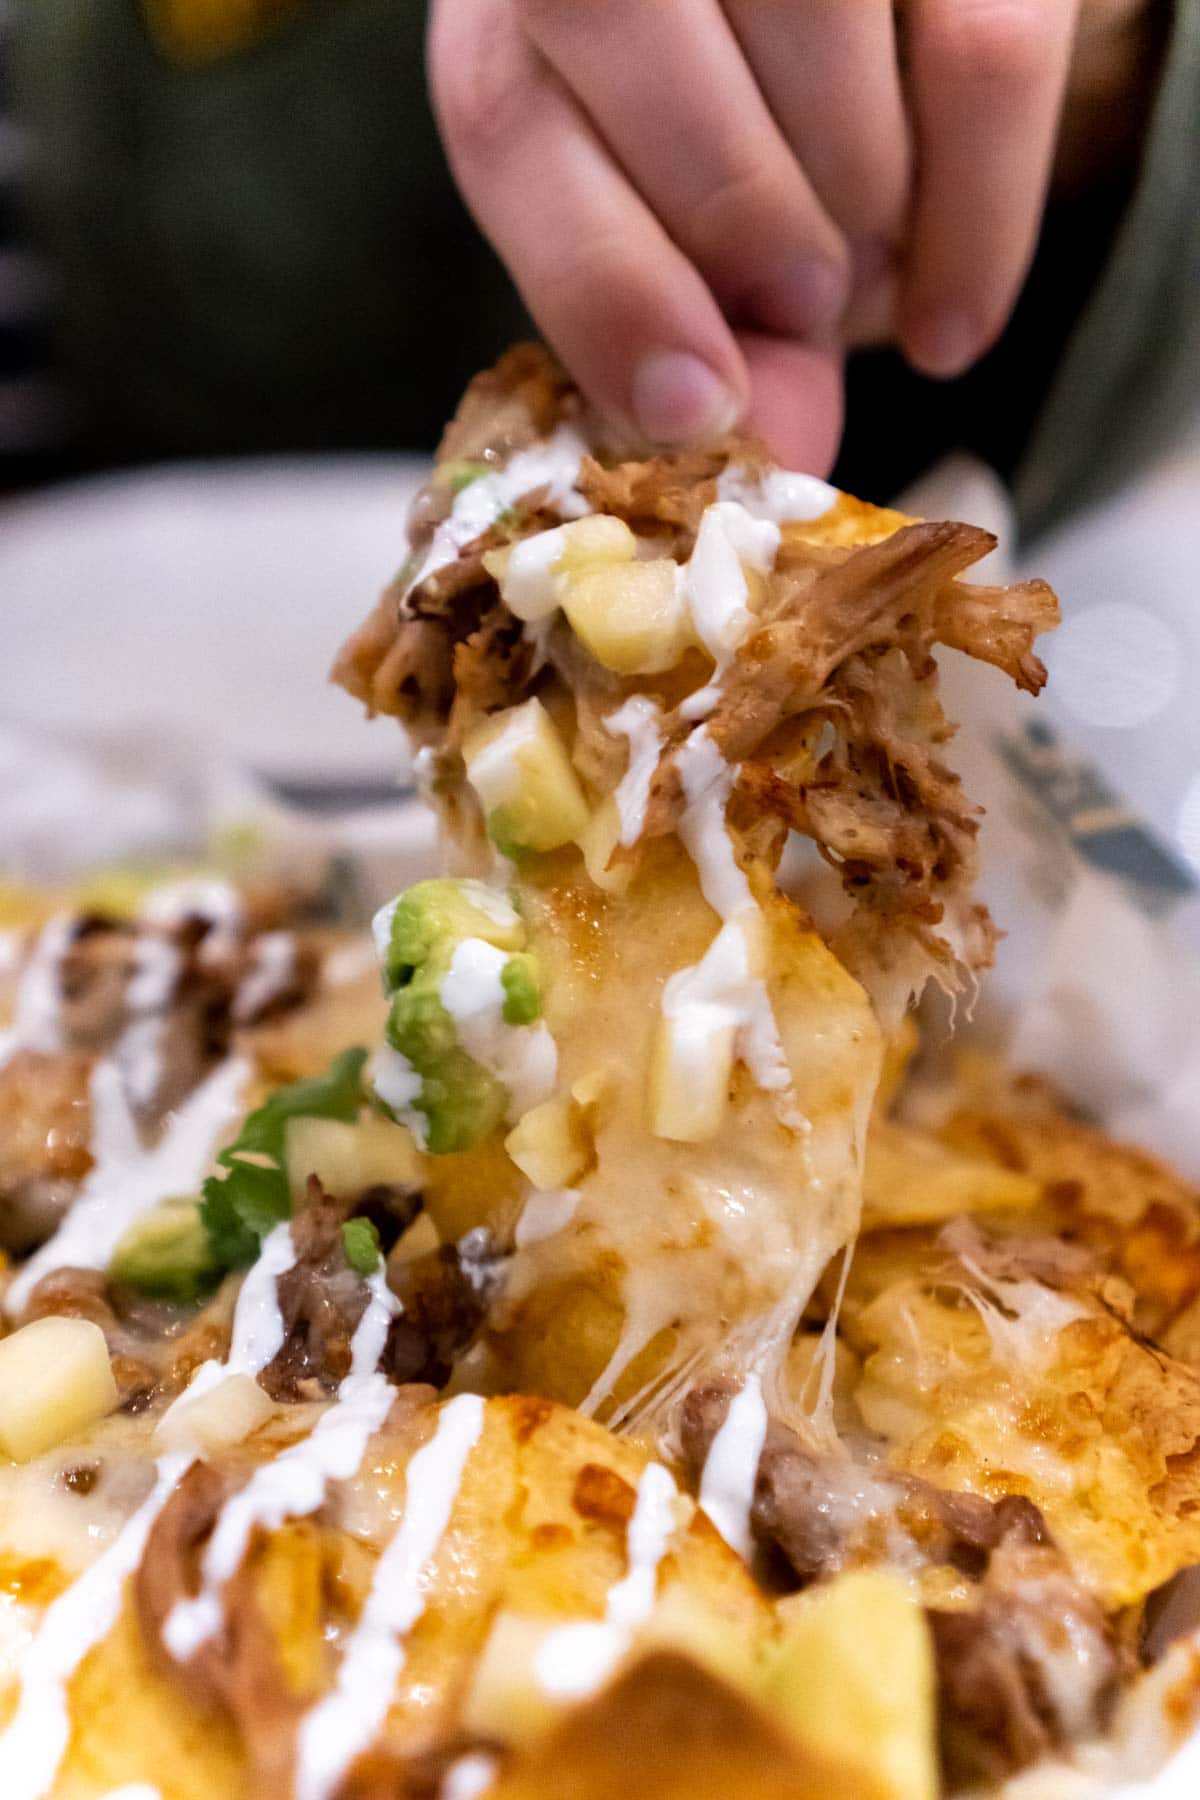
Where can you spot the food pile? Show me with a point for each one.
(573, 1343)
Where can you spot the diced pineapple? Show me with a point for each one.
(519, 767)
(55, 1379)
(532, 572)
(598, 839)
(506, 1701)
(633, 617)
(372, 1152)
(855, 1681)
(690, 1066)
(550, 1143)
(421, 1239)
(217, 1417)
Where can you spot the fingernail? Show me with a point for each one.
(677, 399)
(943, 343)
(805, 298)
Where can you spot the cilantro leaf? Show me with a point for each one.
(360, 1240)
(242, 1206)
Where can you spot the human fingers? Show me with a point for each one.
(631, 317)
(796, 399)
(830, 75)
(670, 92)
(986, 79)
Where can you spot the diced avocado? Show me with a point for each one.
(167, 1253)
(360, 1240)
(426, 924)
(522, 989)
(461, 472)
(462, 1100)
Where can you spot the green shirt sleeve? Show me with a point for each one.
(1128, 382)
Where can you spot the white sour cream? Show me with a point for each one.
(272, 970)
(35, 1024)
(553, 465)
(126, 1179)
(294, 1484)
(731, 1467)
(523, 1057)
(258, 1327)
(33, 1744)
(157, 964)
(713, 581)
(575, 1660)
(782, 495)
(640, 721)
(343, 1724)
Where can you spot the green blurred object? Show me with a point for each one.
(257, 252)
(260, 248)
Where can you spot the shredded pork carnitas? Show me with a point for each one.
(829, 711)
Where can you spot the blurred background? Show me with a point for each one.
(239, 296)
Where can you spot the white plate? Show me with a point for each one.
(209, 598)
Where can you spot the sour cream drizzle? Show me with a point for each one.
(156, 968)
(294, 1483)
(553, 465)
(723, 980)
(639, 720)
(731, 1467)
(274, 966)
(523, 1057)
(126, 1179)
(344, 1724)
(35, 1024)
(258, 1327)
(575, 1660)
(33, 1745)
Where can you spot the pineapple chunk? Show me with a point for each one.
(55, 1379)
(550, 1143)
(215, 1418)
(533, 572)
(373, 1152)
(633, 617)
(855, 1681)
(519, 767)
(690, 1067)
(421, 1239)
(598, 839)
(506, 1701)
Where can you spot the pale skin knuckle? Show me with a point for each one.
(483, 95)
(596, 262)
(1000, 45)
(744, 199)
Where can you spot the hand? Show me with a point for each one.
(702, 204)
